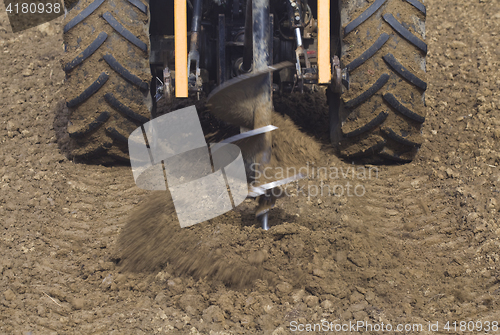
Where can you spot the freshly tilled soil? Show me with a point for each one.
(402, 244)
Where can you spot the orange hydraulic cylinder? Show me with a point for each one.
(180, 35)
(324, 62)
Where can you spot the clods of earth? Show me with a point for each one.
(83, 250)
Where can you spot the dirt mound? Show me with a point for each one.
(152, 239)
(291, 147)
(420, 245)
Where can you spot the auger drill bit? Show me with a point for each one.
(245, 102)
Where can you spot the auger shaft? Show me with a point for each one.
(263, 104)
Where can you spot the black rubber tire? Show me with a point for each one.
(379, 118)
(107, 76)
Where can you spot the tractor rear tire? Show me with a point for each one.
(107, 76)
(380, 116)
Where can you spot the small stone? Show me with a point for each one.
(160, 298)
(111, 204)
(246, 320)
(9, 295)
(10, 206)
(355, 297)
(492, 203)
(192, 303)
(311, 300)
(47, 28)
(268, 308)
(472, 216)
(360, 315)
(8, 264)
(40, 310)
(360, 289)
(27, 72)
(447, 25)
(120, 278)
(284, 288)
(175, 285)
(346, 315)
(359, 306)
(458, 45)
(297, 296)
(226, 302)
(11, 126)
(327, 304)
(77, 303)
(213, 314)
(407, 309)
(463, 145)
(105, 266)
(57, 293)
(481, 98)
(257, 257)
(162, 276)
(369, 296)
(486, 92)
(106, 282)
(279, 331)
(39, 175)
(319, 273)
(369, 273)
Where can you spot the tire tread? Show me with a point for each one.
(386, 108)
(120, 89)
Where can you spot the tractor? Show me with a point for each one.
(125, 57)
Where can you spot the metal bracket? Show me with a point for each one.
(340, 77)
(194, 79)
(166, 87)
(301, 52)
(307, 74)
(159, 89)
(336, 75)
